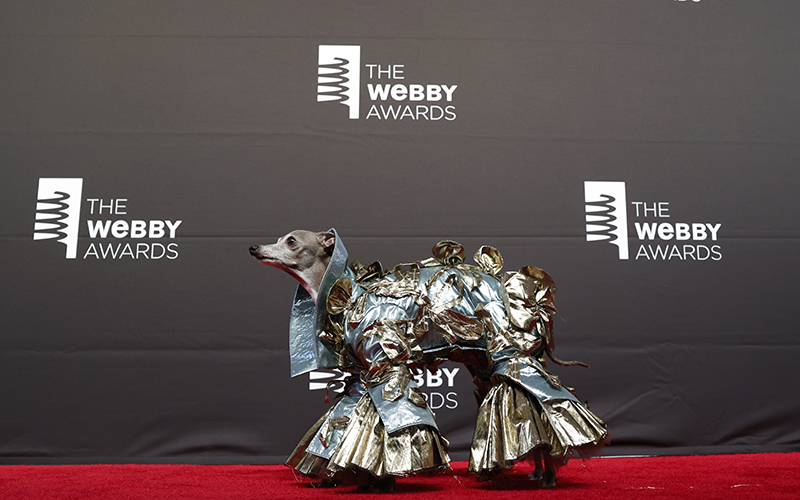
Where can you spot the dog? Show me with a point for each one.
(506, 318)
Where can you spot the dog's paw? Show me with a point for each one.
(488, 475)
(548, 480)
(328, 482)
(385, 484)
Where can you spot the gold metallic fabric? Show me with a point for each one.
(394, 378)
(512, 424)
(397, 340)
(529, 296)
(366, 445)
(339, 296)
(308, 463)
(376, 322)
(365, 274)
(449, 253)
(489, 259)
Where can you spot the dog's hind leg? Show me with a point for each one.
(538, 471)
(548, 479)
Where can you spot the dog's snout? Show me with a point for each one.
(253, 249)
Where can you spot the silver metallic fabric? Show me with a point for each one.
(306, 351)
(375, 324)
(382, 423)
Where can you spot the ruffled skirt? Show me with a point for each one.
(366, 446)
(512, 425)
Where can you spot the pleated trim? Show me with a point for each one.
(512, 424)
(365, 445)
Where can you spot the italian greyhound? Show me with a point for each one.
(305, 255)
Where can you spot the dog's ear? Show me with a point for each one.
(327, 240)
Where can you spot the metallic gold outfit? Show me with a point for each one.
(527, 408)
(364, 324)
(375, 324)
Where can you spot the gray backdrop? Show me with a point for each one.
(156, 347)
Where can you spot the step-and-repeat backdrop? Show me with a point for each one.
(644, 152)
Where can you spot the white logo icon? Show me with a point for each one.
(606, 215)
(330, 380)
(58, 211)
(339, 76)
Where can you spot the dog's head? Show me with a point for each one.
(296, 251)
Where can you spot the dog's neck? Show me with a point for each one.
(311, 278)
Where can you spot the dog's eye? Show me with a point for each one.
(290, 240)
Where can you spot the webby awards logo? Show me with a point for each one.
(112, 234)
(659, 236)
(390, 94)
(339, 77)
(606, 219)
(58, 212)
(437, 387)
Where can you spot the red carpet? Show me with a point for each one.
(754, 476)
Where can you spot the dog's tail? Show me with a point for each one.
(549, 345)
